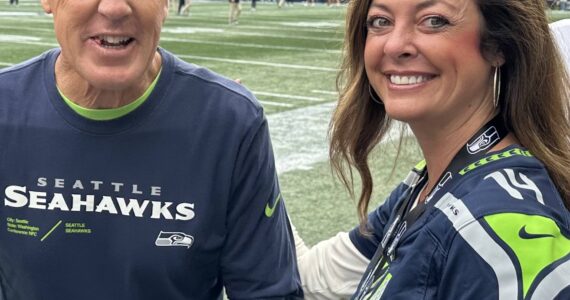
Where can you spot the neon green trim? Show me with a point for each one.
(111, 113)
(421, 165)
(543, 245)
(50, 231)
(494, 157)
(380, 290)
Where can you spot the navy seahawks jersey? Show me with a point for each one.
(501, 232)
(174, 200)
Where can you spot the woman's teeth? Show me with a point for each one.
(406, 80)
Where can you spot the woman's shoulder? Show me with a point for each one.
(501, 196)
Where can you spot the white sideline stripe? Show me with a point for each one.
(299, 136)
(259, 63)
(288, 96)
(168, 39)
(324, 92)
(5, 64)
(275, 103)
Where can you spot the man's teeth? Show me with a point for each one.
(114, 40)
(402, 80)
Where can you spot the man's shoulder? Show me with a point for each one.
(28, 67)
(206, 82)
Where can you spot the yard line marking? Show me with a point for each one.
(288, 96)
(318, 24)
(281, 36)
(50, 30)
(324, 92)
(168, 39)
(275, 103)
(183, 30)
(269, 26)
(258, 63)
(18, 14)
(46, 19)
(36, 43)
(18, 38)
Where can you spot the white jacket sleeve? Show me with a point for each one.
(331, 269)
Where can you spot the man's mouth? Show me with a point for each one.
(408, 80)
(113, 41)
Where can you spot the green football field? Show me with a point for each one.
(289, 58)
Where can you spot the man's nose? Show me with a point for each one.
(115, 9)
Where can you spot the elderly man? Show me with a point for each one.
(130, 174)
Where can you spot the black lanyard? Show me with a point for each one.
(402, 217)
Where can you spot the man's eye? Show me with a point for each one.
(435, 22)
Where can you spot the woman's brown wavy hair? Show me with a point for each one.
(534, 101)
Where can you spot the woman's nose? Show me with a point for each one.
(400, 43)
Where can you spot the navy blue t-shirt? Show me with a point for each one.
(172, 201)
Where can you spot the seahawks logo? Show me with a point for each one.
(174, 239)
(484, 141)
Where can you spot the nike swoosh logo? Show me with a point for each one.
(523, 234)
(270, 210)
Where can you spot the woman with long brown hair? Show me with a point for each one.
(485, 215)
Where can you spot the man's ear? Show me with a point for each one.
(46, 6)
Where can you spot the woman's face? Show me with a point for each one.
(423, 59)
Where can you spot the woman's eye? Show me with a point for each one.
(377, 22)
(435, 22)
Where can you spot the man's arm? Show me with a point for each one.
(258, 259)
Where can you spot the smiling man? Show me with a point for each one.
(130, 174)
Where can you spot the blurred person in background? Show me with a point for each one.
(561, 31)
(185, 10)
(128, 173)
(485, 216)
(184, 7)
(235, 11)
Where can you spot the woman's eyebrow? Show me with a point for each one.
(421, 5)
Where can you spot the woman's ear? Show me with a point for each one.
(498, 59)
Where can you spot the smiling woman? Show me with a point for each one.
(135, 175)
(482, 87)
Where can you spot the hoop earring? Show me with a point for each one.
(496, 86)
(374, 96)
